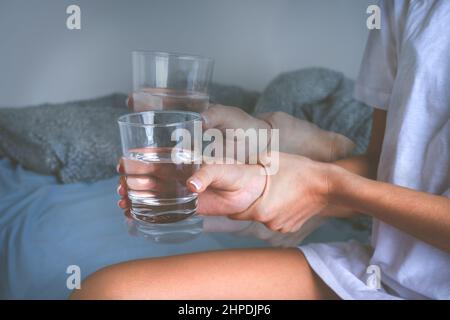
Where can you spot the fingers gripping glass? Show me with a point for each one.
(159, 155)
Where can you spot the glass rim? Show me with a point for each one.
(121, 120)
(179, 55)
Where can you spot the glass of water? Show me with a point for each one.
(161, 150)
(170, 81)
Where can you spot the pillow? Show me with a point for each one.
(76, 141)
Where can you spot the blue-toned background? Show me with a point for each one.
(251, 40)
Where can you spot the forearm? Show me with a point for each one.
(304, 138)
(420, 214)
(362, 165)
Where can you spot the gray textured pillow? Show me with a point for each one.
(76, 141)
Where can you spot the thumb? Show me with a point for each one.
(221, 176)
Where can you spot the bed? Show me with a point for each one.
(46, 226)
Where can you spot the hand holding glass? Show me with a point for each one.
(156, 167)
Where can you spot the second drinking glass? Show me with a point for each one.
(170, 81)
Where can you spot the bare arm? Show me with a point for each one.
(327, 189)
(420, 214)
(364, 165)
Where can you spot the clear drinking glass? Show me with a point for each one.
(160, 152)
(170, 81)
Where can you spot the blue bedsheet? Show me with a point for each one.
(46, 226)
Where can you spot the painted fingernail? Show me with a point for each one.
(121, 203)
(195, 183)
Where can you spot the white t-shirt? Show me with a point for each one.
(405, 71)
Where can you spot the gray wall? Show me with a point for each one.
(251, 40)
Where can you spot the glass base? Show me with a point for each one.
(163, 210)
(181, 231)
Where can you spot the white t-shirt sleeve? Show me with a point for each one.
(379, 64)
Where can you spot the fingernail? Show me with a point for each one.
(121, 204)
(196, 183)
(118, 168)
(120, 190)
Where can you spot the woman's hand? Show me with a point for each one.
(227, 117)
(216, 116)
(225, 189)
(283, 201)
(234, 189)
(240, 131)
(296, 136)
(307, 139)
(122, 190)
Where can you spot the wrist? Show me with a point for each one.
(345, 189)
(337, 183)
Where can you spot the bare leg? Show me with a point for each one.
(228, 274)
